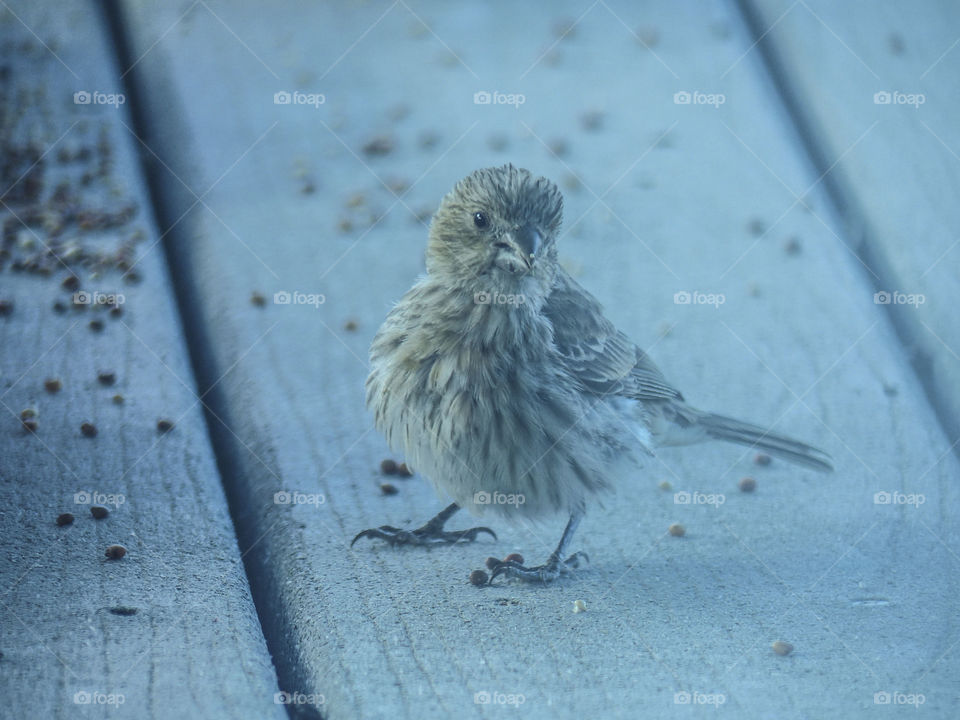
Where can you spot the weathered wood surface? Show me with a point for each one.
(875, 87)
(170, 630)
(662, 198)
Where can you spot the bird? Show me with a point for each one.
(501, 380)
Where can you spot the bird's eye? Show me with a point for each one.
(480, 220)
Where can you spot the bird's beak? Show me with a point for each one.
(527, 241)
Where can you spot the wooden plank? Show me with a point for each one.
(874, 87)
(170, 629)
(667, 197)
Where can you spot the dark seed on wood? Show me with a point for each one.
(388, 467)
(115, 552)
(478, 578)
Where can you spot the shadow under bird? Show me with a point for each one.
(499, 378)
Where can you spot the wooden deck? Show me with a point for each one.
(801, 160)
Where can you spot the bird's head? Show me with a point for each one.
(496, 231)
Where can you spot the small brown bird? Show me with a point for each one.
(500, 379)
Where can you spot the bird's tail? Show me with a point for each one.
(720, 427)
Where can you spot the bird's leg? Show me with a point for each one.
(432, 533)
(554, 567)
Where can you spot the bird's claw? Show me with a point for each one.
(426, 535)
(546, 573)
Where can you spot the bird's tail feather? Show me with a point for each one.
(720, 427)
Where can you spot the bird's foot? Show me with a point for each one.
(429, 534)
(546, 573)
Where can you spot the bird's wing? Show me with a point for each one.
(601, 357)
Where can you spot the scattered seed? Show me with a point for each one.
(665, 486)
(116, 311)
(404, 471)
(28, 413)
(388, 467)
(478, 578)
(164, 425)
(59, 307)
(579, 606)
(115, 552)
(428, 139)
(398, 185)
(514, 557)
(781, 647)
(358, 199)
(96, 325)
(762, 459)
(498, 142)
(564, 28)
(107, 377)
(677, 530)
(65, 519)
(29, 425)
(792, 246)
(88, 429)
(308, 187)
(491, 563)
(592, 120)
(379, 145)
(558, 147)
(648, 36)
(6, 307)
(52, 385)
(257, 299)
(123, 610)
(345, 225)
(70, 282)
(350, 325)
(895, 43)
(756, 227)
(388, 489)
(118, 399)
(99, 511)
(747, 484)
(572, 183)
